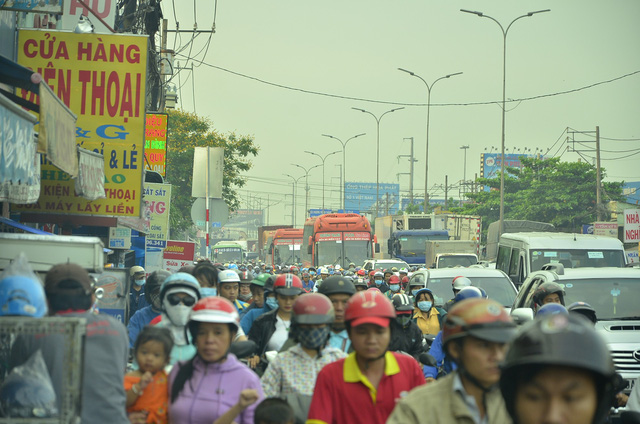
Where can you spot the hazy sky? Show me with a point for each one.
(353, 49)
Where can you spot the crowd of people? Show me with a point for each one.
(255, 344)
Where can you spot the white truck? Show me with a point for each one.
(451, 253)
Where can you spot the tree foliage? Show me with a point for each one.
(546, 190)
(187, 131)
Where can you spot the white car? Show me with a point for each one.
(383, 264)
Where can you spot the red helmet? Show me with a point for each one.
(394, 279)
(288, 285)
(460, 282)
(369, 307)
(293, 268)
(213, 309)
(361, 272)
(405, 279)
(312, 308)
(481, 318)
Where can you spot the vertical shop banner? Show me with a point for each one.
(101, 78)
(157, 198)
(57, 127)
(155, 142)
(90, 181)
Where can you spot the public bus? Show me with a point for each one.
(285, 246)
(340, 239)
(228, 251)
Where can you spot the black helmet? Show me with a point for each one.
(545, 289)
(559, 340)
(584, 309)
(402, 303)
(268, 284)
(337, 284)
(152, 289)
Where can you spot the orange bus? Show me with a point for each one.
(285, 247)
(339, 239)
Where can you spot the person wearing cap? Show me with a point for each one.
(339, 290)
(271, 330)
(137, 299)
(292, 374)
(387, 273)
(405, 335)
(244, 294)
(426, 315)
(257, 294)
(360, 284)
(548, 292)
(269, 303)
(307, 284)
(395, 287)
(147, 314)
(213, 385)
(475, 335)
(70, 293)
(229, 286)
(365, 386)
(457, 284)
(558, 370)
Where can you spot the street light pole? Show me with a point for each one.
(377, 149)
(426, 166)
(322, 159)
(504, 79)
(464, 171)
(293, 213)
(344, 161)
(306, 188)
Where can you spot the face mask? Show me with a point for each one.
(414, 292)
(404, 320)
(313, 338)
(178, 314)
(424, 305)
(378, 282)
(394, 287)
(139, 282)
(244, 297)
(208, 291)
(271, 302)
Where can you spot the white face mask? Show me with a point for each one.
(139, 282)
(178, 314)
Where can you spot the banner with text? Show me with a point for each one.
(632, 225)
(155, 142)
(102, 79)
(178, 254)
(157, 198)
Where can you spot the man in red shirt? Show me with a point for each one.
(365, 386)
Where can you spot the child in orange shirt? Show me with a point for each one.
(146, 387)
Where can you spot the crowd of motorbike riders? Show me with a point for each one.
(249, 343)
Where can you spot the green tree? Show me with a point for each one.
(185, 132)
(546, 190)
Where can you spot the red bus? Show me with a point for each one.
(285, 247)
(339, 239)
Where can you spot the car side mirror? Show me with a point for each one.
(522, 315)
(309, 249)
(377, 247)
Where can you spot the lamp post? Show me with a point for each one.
(344, 161)
(306, 188)
(322, 159)
(426, 166)
(464, 170)
(504, 79)
(293, 201)
(377, 149)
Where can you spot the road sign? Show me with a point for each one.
(218, 212)
(216, 225)
(318, 212)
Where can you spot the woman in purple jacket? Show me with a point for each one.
(213, 387)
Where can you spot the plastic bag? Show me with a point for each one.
(27, 392)
(19, 266)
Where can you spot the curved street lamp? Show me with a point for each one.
(322, 159)
(504, 79)
(344, 161)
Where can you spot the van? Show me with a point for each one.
(519, 254)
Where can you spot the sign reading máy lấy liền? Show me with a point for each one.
(101, 78)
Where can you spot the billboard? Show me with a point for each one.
(155, 142)
(490, 163)
(101, 78)
(157, 198)
(631, 191)
(362, 197)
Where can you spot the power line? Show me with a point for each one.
(338, 96)
(590, 134)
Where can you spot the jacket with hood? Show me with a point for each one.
(213, 389)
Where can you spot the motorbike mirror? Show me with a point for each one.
(426, 359)
(243, 349)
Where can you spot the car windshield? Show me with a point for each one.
(612, 298)
(389, 265)
(497, 288)
(578, 258)
(286, 254)
(456, 260)
(356, 251)
(227, 254)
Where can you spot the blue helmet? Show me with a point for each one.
(419, 292)
(470, 292)
(180, 279)
(551, 309)
(22, 296)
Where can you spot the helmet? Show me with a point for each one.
(402, 303)
(22, 296)
(136, 270)
(468, 293)
(152, 287)
(323, 271)
(405, 280)
(460, 282)
(268, 284)
(361, 272)
(419, 292)
(481, 318)
(551, 309)
(403, 270)
(387, 271)
(181, 279)
(213, 309)
(293, 269)
(369, 307)
(228, 276)
(378, 274)
(312, 308)
(545, 289)
(337, 284)
(232, 266)
(394, 279)
(559, 340)
(288, 285)
(583, 308)
(245, 276)
(359, 282)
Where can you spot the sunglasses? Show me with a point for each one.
(175, 299)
